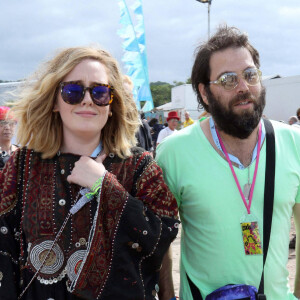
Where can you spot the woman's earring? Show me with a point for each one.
(110, 114)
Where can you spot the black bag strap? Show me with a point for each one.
(269, 194)
(268, 208)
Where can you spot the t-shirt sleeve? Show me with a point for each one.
(164, 160)
(297, 200)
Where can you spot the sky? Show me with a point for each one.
(31, 31)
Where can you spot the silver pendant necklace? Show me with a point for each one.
(247, 186)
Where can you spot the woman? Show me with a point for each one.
(83, 215)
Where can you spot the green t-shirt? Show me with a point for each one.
(211, 209)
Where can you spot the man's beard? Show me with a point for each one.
(239, 125)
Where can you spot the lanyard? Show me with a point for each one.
(232, 157)
(248, 206)
(97, 151)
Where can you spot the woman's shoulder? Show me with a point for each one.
(138, 157)
(136, 151)
(24, 151)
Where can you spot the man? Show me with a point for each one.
(188, 120)
(228, 84)
(172, 120)
(7, 130)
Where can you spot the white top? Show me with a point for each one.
(297, 125)
(164, 133)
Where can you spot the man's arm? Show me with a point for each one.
(166, 287)
(297, 227)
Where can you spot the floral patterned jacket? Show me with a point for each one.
(112, 248)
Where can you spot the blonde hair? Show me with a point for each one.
(41, 129)
(128, 83)
(132, 108)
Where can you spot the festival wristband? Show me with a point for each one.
(96, 187)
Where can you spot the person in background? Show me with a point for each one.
(144, 135)
(293, 121)
(7, 131)
(172, 121)
(188, 120)
(155, 130)
(83, 213)
(216, 170)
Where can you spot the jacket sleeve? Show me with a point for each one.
(9, 231)
(134, 231)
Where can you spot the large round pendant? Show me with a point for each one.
(74, 264)
(55, 259)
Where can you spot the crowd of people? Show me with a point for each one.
(92, 195)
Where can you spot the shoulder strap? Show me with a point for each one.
(268, 207)
(269, 193)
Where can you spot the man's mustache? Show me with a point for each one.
(241, 97)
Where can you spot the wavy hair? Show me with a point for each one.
(41, 129)
(225, 37)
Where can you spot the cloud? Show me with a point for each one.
(31, 30)
(290, 12)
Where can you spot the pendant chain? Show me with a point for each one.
(249, 174)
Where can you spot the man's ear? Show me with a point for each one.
(202, 91)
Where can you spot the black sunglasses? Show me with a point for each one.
(73, 92)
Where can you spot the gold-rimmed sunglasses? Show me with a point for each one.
(230, 80)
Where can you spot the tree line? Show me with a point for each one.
(161, 91)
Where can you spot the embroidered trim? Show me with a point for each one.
(150, 254)
(9, 255)
(146, 169)
(89, 243)
(26, 171)
(113, 247)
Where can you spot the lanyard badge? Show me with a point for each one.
(250, 233)
(249, 222)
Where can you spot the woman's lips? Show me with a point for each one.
(86, 113)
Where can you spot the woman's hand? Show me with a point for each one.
(87, 171)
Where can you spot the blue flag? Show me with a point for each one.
(135, 57)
